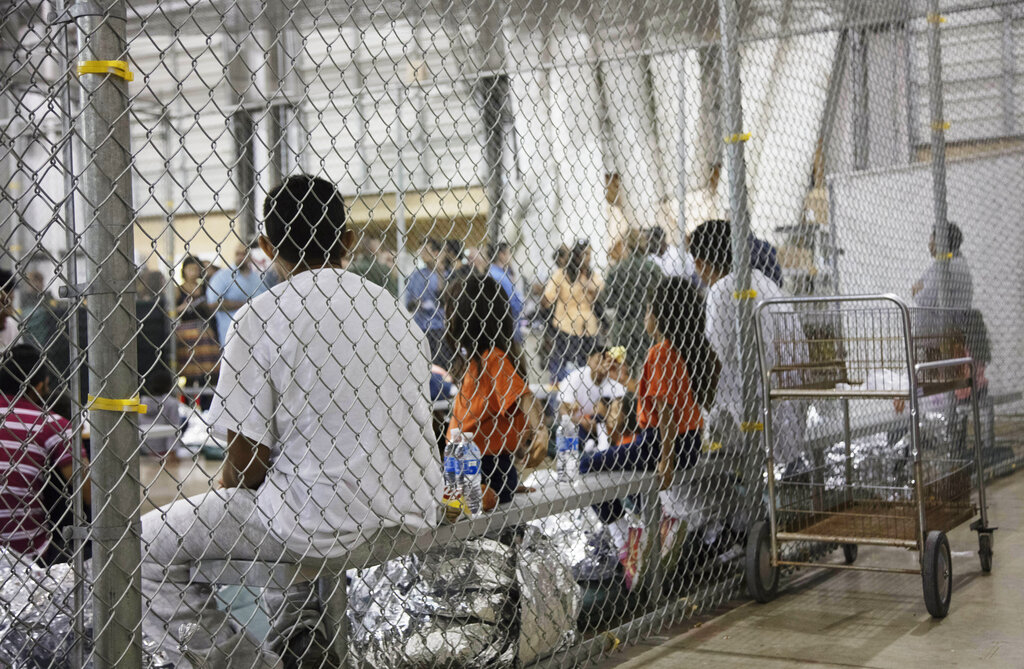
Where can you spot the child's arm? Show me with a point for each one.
(668, 430)
(534, 445)
(246, 463)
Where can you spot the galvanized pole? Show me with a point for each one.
(239, 80)
(938, 126)
(105, 197)
(861, 111)
(735, 137)
(9, 222)
(681, 154)
(167, 132)
(1008, 84)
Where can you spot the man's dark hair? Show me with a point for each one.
(712, 243)
(656, 241)
(495, 249)
(21, 366)
(6, 280)
(954, 239)
(304, 218)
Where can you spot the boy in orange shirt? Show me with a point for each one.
(494, 402)
(679, 376)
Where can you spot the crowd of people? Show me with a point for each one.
(322, 367)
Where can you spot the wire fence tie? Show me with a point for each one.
(130, 405)
(118, 68)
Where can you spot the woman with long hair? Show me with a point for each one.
(494, 402)
(572, 293)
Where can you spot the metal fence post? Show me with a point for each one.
(9, 223)
(732, 116)
(938, 127)
(105, 197)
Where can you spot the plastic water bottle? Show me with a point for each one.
(452, 470)
(567, 451)
(469, 474)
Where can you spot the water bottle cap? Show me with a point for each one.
(456, 433)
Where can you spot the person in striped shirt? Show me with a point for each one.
(34, 444)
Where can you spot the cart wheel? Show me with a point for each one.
(985, 550)
(762, 577)
(850, 553)
(937, 574)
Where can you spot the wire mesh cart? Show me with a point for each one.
(871, 347)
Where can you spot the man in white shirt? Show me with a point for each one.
(669, 258)
(584, 391)
(927, 290)
(711, 245)
(323, 398)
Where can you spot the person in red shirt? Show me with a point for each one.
(494, 402)
(34, 442)
(679, 376)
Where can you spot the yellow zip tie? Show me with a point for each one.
(940, 125)
(751, 427)
(132, 405)
(936, 18)
(745, 295)
(118, 68)
(738, 137)
(712, 447)
(612, 640)
(949, 256)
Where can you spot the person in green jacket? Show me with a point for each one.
(626, 294)
(376, 264)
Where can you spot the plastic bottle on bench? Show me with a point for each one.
(470, 479)
(452, 471)
(567, 454)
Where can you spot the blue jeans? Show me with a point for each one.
(498, 473)
(641, 454)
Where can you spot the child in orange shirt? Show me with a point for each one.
(679, 376)
(494, 402)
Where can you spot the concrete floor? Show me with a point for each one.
(860, 619)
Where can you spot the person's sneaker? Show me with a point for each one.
(307, 649)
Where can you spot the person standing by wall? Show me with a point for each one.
(230, 289)
(625, 298)
(573, 293)
(423, 298)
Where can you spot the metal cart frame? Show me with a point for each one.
(763, 560)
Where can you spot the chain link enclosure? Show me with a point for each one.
(525, 185)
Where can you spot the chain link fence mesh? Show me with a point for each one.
(316, 240)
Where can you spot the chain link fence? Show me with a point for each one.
(285, 282)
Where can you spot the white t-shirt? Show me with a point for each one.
(331, 374)
(579, 387)
(675, 263)
(722, 310)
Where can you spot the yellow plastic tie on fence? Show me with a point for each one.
(131, 405)
(118, 68)
(613, 642)
(751, 427)
(738, 137)
(936, 18)
(712, 447)
(745, 295)
(940, 125)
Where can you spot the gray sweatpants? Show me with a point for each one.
(213, 526)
